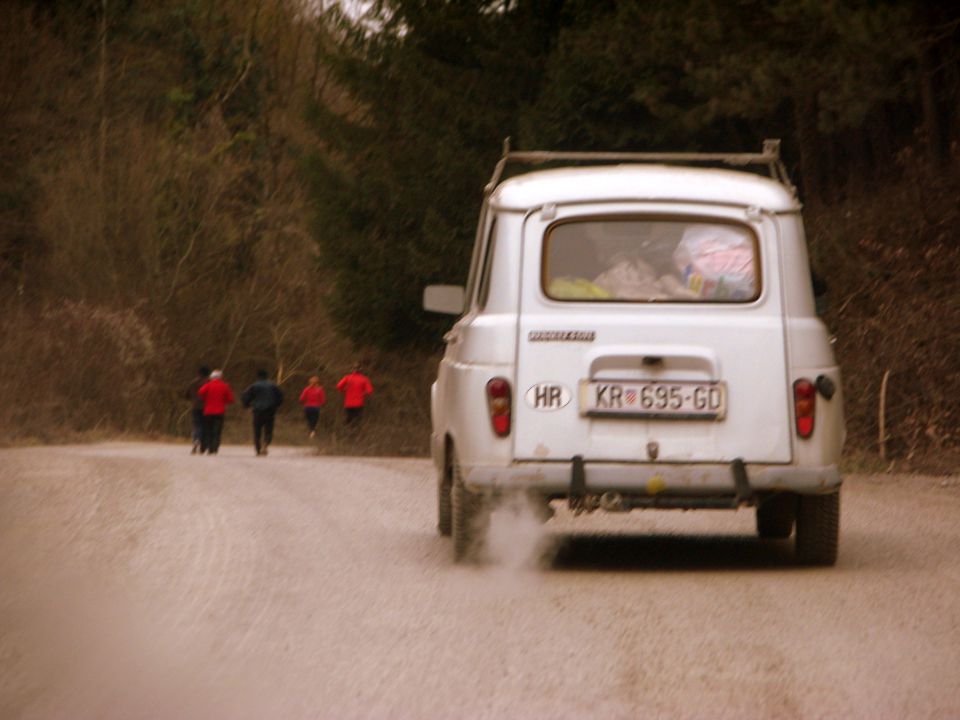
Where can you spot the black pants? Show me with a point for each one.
(263, 425)
(313, 415)
(353, 414)
(197, 434)
(212, 428)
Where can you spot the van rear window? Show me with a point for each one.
(650, 260)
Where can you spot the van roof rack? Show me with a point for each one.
(769, 156)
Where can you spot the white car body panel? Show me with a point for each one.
(739, 345)
(758, 348)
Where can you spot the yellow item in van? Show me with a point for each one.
(567, 288)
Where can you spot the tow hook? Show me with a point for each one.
(612, 502)
(581, 501)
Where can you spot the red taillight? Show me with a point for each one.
(805, 406)
(498, 402)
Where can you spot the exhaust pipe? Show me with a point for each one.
(612, 502)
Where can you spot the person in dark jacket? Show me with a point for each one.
(203, 374)
(263, 397)
(216, 395)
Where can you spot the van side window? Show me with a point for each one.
(650, 260)
(484, 291)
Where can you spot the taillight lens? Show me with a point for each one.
(498, 403)
(805, 406)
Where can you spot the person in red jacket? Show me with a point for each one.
(312, 398)
(355, 387)
(216, 395)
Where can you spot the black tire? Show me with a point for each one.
(444, 502)
(818, 528)
(470, 519)
(775, 516)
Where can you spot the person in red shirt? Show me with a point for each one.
(355, 387)
(216, 395)
(312, 398)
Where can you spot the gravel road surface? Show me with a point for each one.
(138, 581)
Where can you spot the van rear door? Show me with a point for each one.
(651, 332)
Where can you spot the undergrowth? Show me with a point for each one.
(890, 259)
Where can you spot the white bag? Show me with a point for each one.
(716, 263)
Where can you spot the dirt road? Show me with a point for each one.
(141, 582)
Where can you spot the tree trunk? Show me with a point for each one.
(932, 127)
(808, 140)
(102, 93)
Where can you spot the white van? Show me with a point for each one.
(639, 334)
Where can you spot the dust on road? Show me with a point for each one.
(140, 581)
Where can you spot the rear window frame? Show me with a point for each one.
(654, 217)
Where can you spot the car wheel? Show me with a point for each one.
(818, 528)
(444, 501)
(470, 520)
(775, 516)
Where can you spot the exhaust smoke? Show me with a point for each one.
(517, 538)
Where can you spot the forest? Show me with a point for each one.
(270, 183)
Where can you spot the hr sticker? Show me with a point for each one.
(547, 396)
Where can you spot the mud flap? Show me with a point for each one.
(744, 492)
(578, 484)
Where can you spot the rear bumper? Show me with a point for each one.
(652, 479)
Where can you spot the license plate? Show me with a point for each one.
(648, 399)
